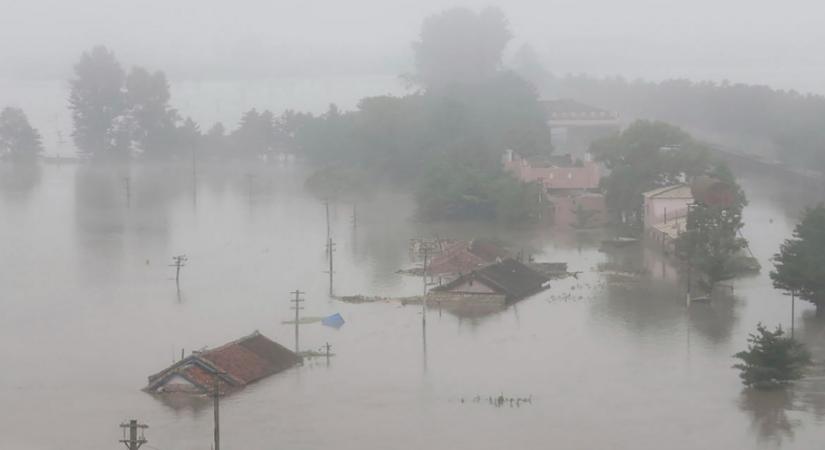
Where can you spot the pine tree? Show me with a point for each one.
(771, 359)
(800, 263)
(19, 142)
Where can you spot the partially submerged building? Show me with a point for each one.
(665, 213)
(665, 209)
(570, 185)
(458, 257)
(500, 283)
(233, 365)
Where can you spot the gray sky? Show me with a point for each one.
(777, 43)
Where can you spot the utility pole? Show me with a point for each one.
(297, 300)
(327, 347)
(793, 312)
(194, 178)
(354, 216)
(133, 442)
(329, 236)
(330, 251)
(424, 297)
(178, 262)
(216, 395)
(127, 185)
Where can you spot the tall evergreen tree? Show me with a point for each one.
(800, 263)
(19, 141)
(771, 359)
(147, 95)
(99, 106)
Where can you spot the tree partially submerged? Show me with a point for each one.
(19, 141)
(799, 267)
(712, 241)
(771, 360)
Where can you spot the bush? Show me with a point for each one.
(772, 359)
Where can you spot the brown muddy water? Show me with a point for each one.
(89, 309)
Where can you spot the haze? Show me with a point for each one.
(758, 42)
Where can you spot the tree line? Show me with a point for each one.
(786, 124)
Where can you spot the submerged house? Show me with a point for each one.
(500, 283)
(571, 186)
(665, 209)
(458, 257)
(235, 365)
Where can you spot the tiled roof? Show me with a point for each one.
(239, 363)
(508, 277)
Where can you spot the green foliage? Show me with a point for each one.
(771, 359)
(99, 105)
(712, 241)
(19, 142)
(460, 46)
(153, 120)
(788, 122)
(451, 191)
(256, 135)
(645, 156)
(800, 263)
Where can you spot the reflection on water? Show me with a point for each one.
(85, 276)
(17, 181)
(769, 413)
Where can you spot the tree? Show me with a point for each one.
(460, 45)
(255, 137)
(645, 156)
(99, 106)
(18, 140)
(771, 359)
(147, 97)
(800, 264)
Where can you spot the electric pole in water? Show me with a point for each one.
(178, 262)
(297, 300)
(133, 442)
(329, 236)
(127, 185)
(330, 251)
(216, 395)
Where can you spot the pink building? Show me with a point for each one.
(572, 188)
(665, 213)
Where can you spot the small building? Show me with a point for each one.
(571, 186)
(665, 213)
(504, 282)
(575, 125)
(462, 256)
(235, 365)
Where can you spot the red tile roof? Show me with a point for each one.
(238, 363)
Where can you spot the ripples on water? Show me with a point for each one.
(90, 309)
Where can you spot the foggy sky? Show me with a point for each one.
(776, 43)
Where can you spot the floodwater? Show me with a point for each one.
(90, 309)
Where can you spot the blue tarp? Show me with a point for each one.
(334, 321)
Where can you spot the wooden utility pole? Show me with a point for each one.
(354, 216)
(330, 252)
(297, 300)
(327, 347)
(216, 395)
(194, 178)
(329, 236)
(133, 442)
(424, 297)
(127, 186)
(178, 262)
